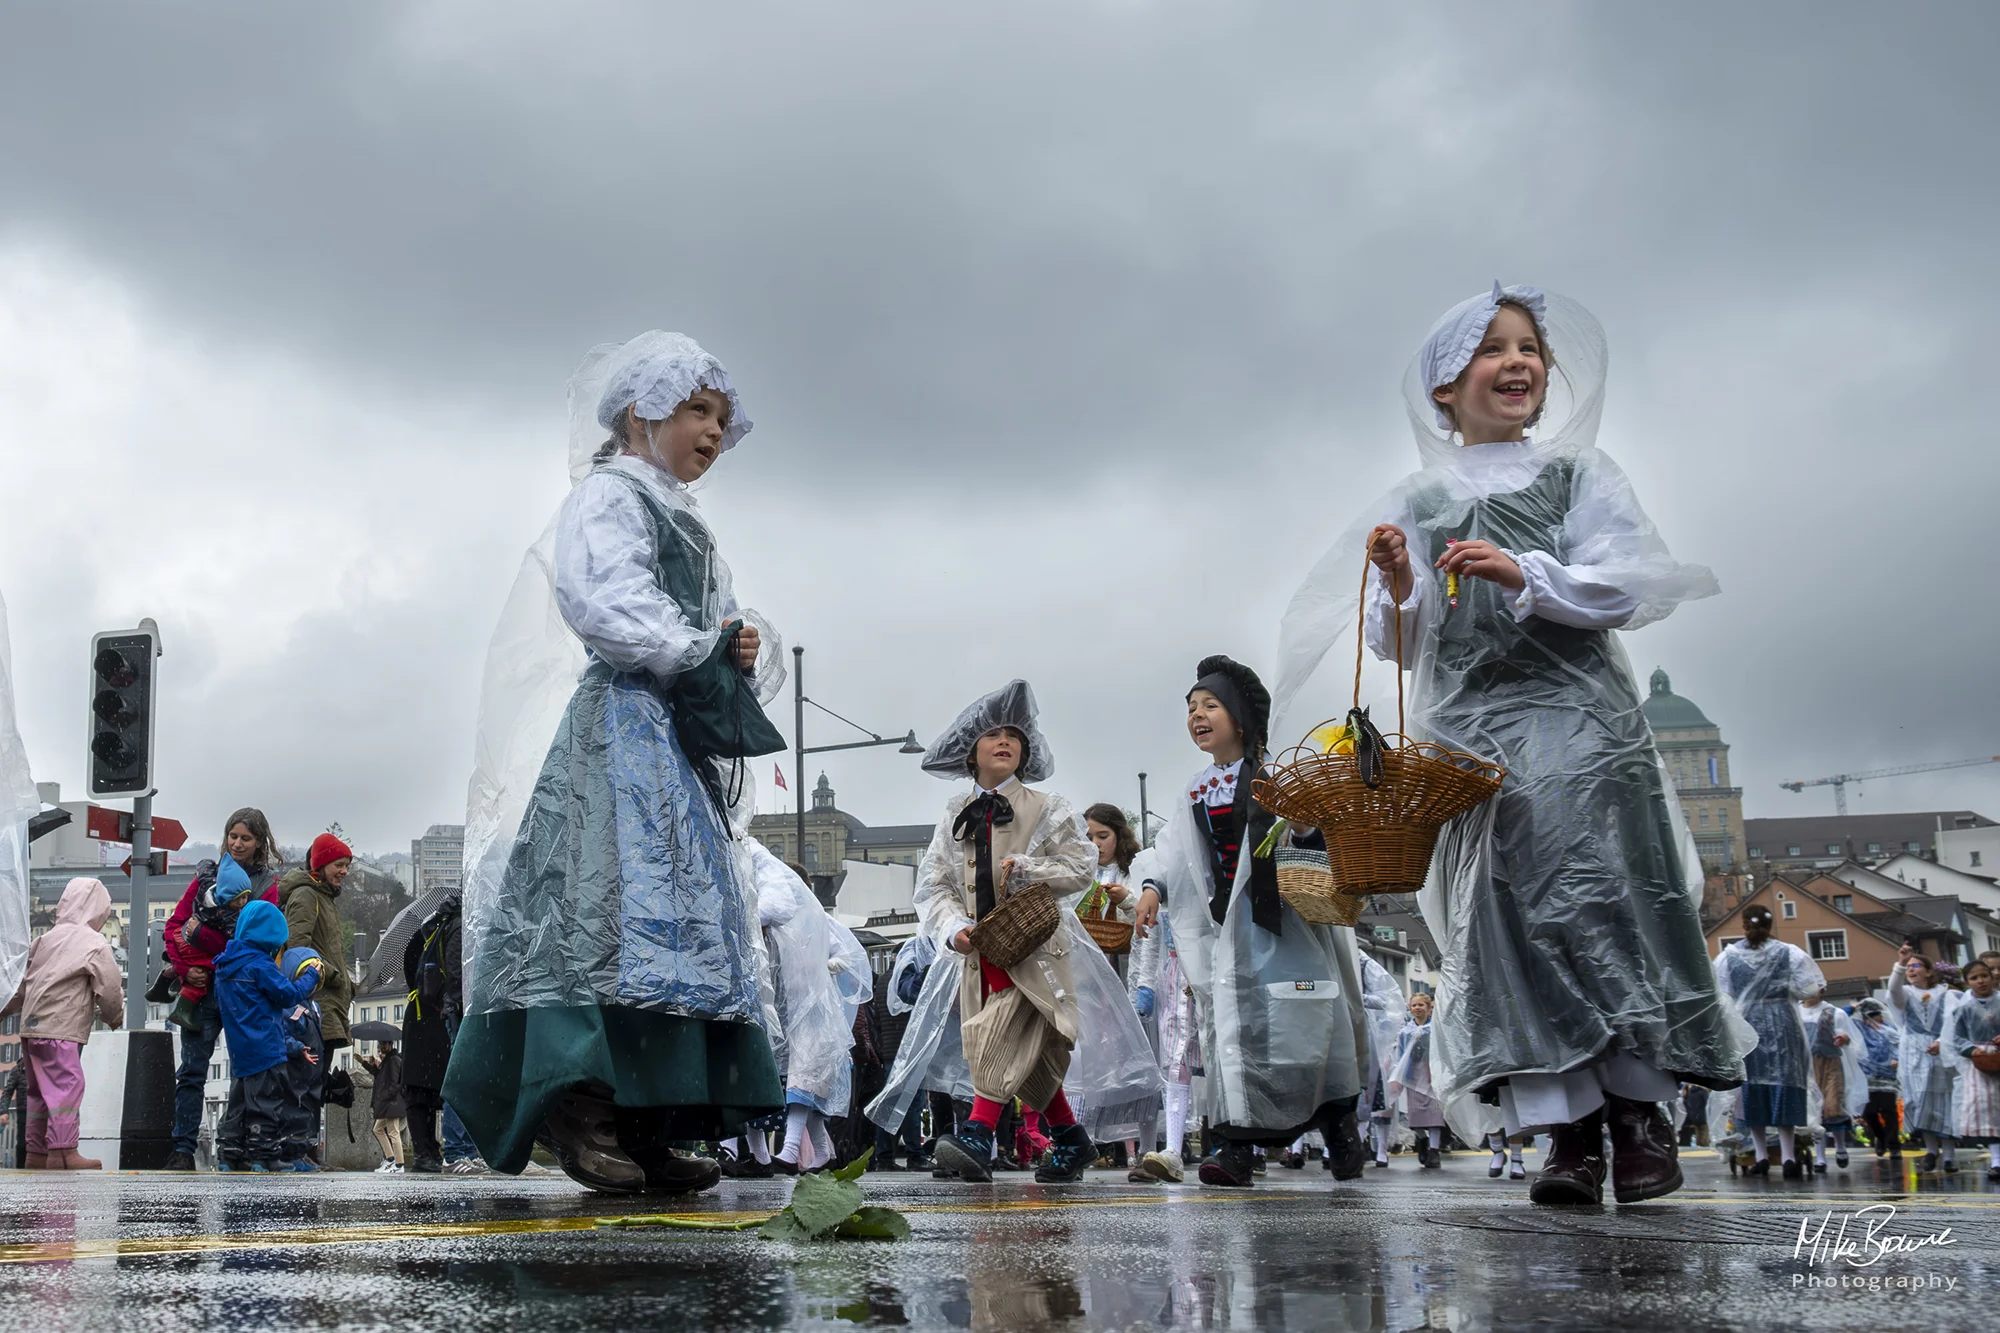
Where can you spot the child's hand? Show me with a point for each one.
(962, 942)
(747, 644)
(311, 1059)
(1483, 560)
(1390, 550)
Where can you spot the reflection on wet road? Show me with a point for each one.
(1400, 1249)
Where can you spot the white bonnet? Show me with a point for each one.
(1455, 337)
(657, 372)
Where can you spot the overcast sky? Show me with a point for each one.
(1072, 333)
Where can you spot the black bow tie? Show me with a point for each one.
(977, 821)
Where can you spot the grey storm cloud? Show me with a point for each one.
(1111, 298)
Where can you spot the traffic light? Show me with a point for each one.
(121, 712)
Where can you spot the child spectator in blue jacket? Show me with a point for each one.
(304, 1048)
(257, 1000)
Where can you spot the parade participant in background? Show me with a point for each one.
(1836, 1072)
(71, 981)
(1179, 1029)
(255, 998)
(1412, 1085)
(1881, 1043)
(1383, 1010)
(1973, 1028)
(1021, 1025)
(1922, 1003)
(1767, 979)
(310, 898)
(895, 995)
(1278, 1000)
(612, 955)
(1577, 984)
(1119, 861)
(194, 941)
(819, 981)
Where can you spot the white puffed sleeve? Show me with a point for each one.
(1379, 624)
(605, 587)
(1620, 574)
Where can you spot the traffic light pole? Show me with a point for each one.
(139, 929)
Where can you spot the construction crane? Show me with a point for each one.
(1840, 780)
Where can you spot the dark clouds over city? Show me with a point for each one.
(1072, 333)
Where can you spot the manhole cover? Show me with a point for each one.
(1701, 1226)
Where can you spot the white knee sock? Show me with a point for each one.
(1378, 1139)
(1437, 1139)
(822, 1142)
(734, 1147)
(1298, 1145)
(1788, 1143)
(1993, 1154)
(1819, 1147)
(795, 1133)
(1951, 1150)
(1757, 1138)
(1931, 1142)
(760, 1144)
(1497, 1142)
(1517, 1152)
(1177, 1113)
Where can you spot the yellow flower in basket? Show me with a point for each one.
(1333, 738)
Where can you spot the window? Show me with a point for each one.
(1826, 944)
(1728, 940)
(1875, 847)
(1833, 849)
(1843, 903)
(1756, 853)
(1911, 847)
(1923, 883)
(399, 1013)
(1704, 819)
(1722, 818)
(1791, 910)
(1975, 858)
(1792, 851)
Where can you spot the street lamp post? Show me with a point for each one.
(907, 744)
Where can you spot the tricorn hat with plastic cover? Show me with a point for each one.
(1012, 705)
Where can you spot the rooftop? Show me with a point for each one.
(1667, 711)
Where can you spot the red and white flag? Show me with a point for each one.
(778, 774)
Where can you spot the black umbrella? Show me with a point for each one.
(376, 1031)
(385, 967)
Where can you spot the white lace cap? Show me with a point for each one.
(653, 373)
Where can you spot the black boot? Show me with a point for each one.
(1345, 1156)
(1574, 1173)
(968, 1154)
(1069, 1158)
(1643, 1162)
(582, 1130)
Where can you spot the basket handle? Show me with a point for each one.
(1361, 631)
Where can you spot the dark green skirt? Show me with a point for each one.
(674, 1079)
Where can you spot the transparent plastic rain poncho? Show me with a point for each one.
(820, 980)
(1565, 907)
(583, 602)
(1823, 1023)
(1120, 1072)
(1927, 1079)
(916, 956)
(1973, 1023)
(1280, 1014)
(1766, 984)
(1881, 1044)
(19, 803)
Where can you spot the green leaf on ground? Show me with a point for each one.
(821, 1203)
(854, 1169)
(875, 1224)
(784, 1226)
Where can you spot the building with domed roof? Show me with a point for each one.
(1698, 759)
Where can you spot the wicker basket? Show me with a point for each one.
(1021, 924)
(1986, 1062)
(1305, 880)
(1379, 839)
(1112, 935)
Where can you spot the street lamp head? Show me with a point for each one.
(910, 744)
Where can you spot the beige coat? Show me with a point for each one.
(1017, 1042)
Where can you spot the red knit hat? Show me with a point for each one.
(326, 848)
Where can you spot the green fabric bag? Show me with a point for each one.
(716, 715)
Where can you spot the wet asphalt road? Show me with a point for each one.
(1401, 1249)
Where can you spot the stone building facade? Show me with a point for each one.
(1698, 760)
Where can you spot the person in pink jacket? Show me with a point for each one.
(71, 979)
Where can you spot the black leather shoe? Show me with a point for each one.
(669, 1172)
(180, 1161)
(1760, 1167)
(1574, 1173)
(1232, 1165)
(1643, 1162)
(583, 1132)
(1792, 1171)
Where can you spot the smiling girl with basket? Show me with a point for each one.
(1577, 985)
